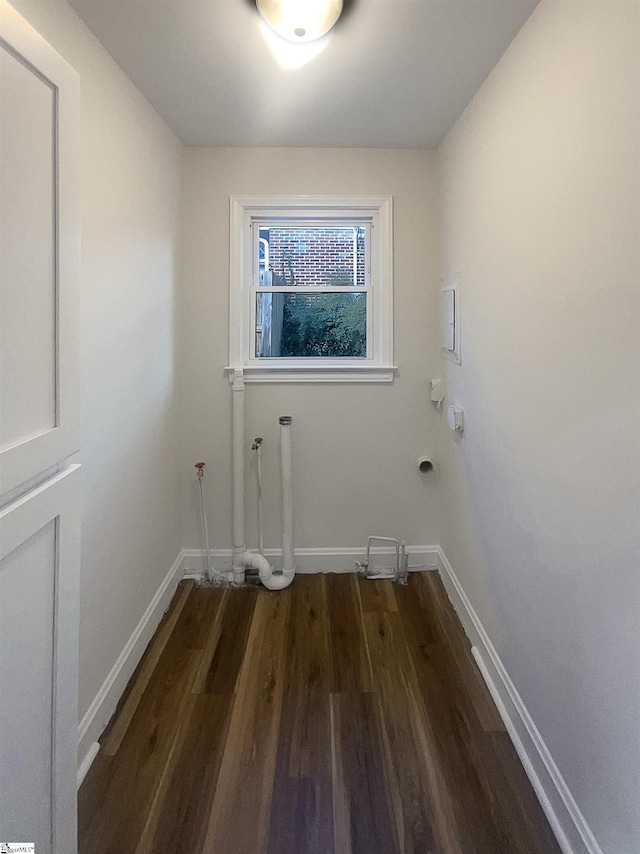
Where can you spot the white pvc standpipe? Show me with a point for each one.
(287, 495)
(260, 526)
(237, 460)
(267, 576)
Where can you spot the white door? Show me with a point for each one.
(39, 490)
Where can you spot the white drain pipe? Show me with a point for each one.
(257, 447)
(237, 464)
(242, 557)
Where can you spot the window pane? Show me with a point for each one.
(312, 256)
(311, 325)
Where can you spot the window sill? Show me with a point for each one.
(316, 373)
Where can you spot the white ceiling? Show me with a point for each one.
(392, 74)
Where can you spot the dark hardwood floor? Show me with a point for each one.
(340, 716)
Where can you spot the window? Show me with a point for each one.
(311, 290)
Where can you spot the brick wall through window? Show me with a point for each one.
(316, 256)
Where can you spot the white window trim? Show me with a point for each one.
(379, 366)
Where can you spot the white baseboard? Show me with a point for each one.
(311, 561)
(84, 766)
(104, 703)
(567, 822)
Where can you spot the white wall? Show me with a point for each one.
(354, 446)
(130, 186)
(540, 498)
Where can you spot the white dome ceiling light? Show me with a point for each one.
(300, 20)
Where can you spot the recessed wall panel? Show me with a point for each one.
(27, 252)
(27, 594)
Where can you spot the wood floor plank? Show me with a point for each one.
(239, 822)
(305, 719)
(148, 665)
(349, 653)
(154, 814)
(198, 615)
(423, 803)
(449, 733)
(302, 816)
(227, 661)
(186, 804)
(418, 627)
(91, 792)
(472, 695)
(515, 810)
(225, 648)
(137, 768)
(217, 627)
(377, 595)
(302, 808)
(362, 804)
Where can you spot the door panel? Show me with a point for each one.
(28, 271)
(39, 582)
(39, 254)
(27, 593)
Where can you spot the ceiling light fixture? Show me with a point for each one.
(300, 20)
